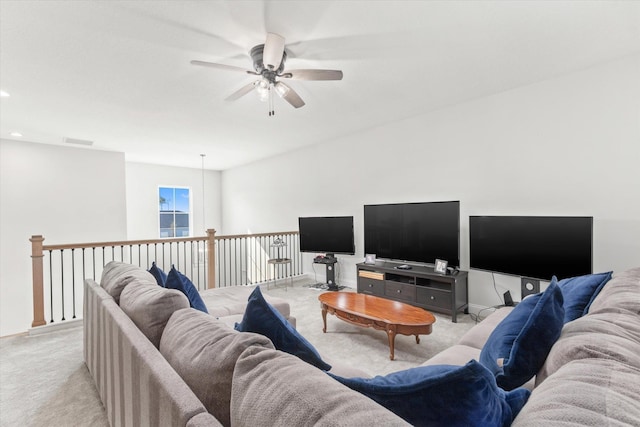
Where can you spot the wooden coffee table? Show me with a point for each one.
(379, 313)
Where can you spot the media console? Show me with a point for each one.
(421, 286)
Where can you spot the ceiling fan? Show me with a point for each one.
(268, 63)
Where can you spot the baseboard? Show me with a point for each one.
(307, 278)
(475, 308)
(52, 327)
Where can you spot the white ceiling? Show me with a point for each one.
(118, 72)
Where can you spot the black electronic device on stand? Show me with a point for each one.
(329, 261)
(331, 235)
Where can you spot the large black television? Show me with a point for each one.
(420, 232)
(327, 234)
(537, 247)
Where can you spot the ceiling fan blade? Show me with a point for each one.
(273, 50)
(289, 95)
(222, 67)
(241, 92)
(313, 74)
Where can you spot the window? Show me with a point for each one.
(175, 211)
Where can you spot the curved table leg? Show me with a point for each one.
(391, 333)
(417, 339)
(324, 318)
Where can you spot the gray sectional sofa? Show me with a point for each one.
(155, 361)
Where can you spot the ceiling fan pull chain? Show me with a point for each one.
(271, 110)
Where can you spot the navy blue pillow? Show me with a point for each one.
(261, 318)
(443, 395)
(177, 280)
(161, 276)
(518, 346)
(579, 292)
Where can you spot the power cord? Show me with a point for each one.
(495, 288)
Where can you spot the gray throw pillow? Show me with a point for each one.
(203, 351)
(612, 336)
(149, 306)
(117, 275)
(273, 388)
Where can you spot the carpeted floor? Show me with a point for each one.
(44, 382)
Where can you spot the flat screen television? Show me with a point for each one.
(538, 247)
(420, 232)
(327, 234)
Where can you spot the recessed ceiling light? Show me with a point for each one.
(4, 94)
(18, 134)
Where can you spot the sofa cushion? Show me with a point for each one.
(203, 352)
(579, 292)
(260, 317)
(614, 336)
(345, 368)
(443, 395)
(518, 346)
(117, 275)
(149, 306)
(479, 334)
(272, 388)
(203, 420)
(586, 392)
(458, 354)
(158, 274)
(621, 295)
(177, 280)
(232, 300)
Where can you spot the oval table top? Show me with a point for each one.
(377, 308)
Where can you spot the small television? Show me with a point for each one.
(419, 232)
(327, 234)
(537, 247)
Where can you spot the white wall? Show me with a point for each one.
(566, 146)
(72, 195)
(68, 195)
(142, 183)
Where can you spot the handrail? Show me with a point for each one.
(154, 241)
(121, 243)
(240, 262)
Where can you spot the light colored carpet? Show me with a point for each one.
(44, 381)
(366, 348)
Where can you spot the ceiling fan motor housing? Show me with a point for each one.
(258, 64)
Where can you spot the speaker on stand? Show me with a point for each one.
(528, 287)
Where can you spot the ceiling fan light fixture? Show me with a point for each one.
(262, 89)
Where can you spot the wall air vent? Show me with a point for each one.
(77, 141)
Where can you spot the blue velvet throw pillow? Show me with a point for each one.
(517, 348)
(161, 276)
(177, 280)
(261, 318)
(443, 395)
(579, 292)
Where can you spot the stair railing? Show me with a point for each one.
(209, 261)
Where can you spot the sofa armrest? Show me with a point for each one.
(136, 384)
